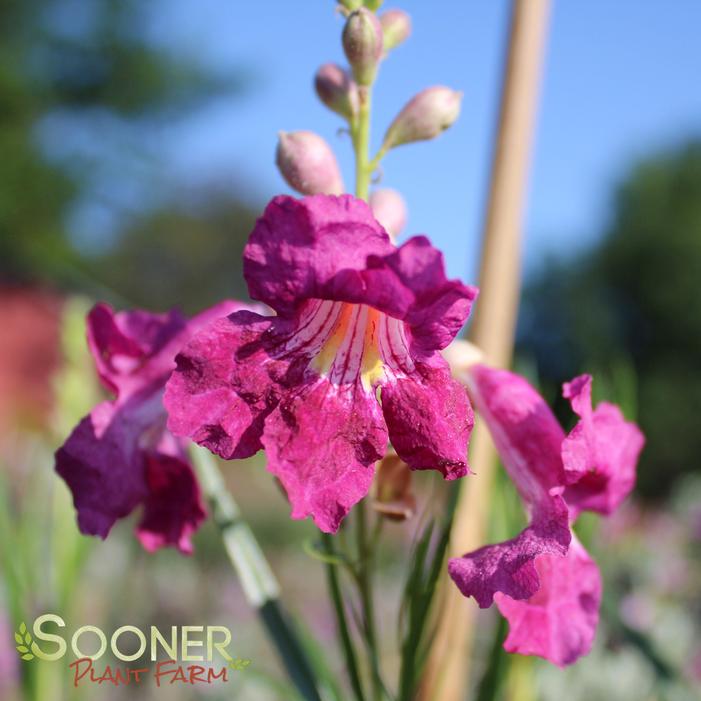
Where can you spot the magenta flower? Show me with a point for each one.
(544, 581)
(350, 359)
(121, 455)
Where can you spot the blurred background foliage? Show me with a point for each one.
(632, 300)
(84, 93)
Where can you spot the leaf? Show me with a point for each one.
(22, 648)
(28, 656)
(319, 552)
(28, 639)
(18, 638)
(22, 628)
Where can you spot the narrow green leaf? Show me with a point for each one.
(22, 648)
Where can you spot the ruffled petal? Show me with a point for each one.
(509, 567)
(526, 433)
(434, 307)
(299, 246)
(559, 622)
(322, 443)
(173, 508)
(103, 465)
(135, 350)
(225, 384)
(128, 346)
(600, 454)
(331, 248)
(429, 419)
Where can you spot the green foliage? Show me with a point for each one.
(629, 306)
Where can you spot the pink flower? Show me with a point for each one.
(121, 455)
(350, 359)
(543, 581)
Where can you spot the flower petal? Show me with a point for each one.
(322, 443)
(331, 248)
(225, 384)
(299, 246)
(600, 454)
(526, 433)
(136, 349)
(103, 466)
(508, 567)
(429, 419)
(436, 308)
(559, 622)
(173, 508)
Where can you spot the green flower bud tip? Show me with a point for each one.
(396, 28)
(337, 90)
(363, 44)
(424, 117)
(308, 164)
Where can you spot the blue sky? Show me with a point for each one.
(622, 79)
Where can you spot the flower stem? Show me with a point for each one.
(366, 551)
(361, 144)
(257, 579)
(342, 622)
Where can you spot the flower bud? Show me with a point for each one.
(337, 90)
(424, 117)
(362, 44)
(308, 164)
(461, 356)
(351, 5)
(393, 495)
(389, 209)
(396, 28)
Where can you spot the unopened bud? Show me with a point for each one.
(389, 209)
(396, 28)
(337, 90)
(461, 356)
(351, 4)
(393, 495)
(425, 116)
(362, 44)
(308, 164)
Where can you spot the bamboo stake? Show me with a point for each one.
(493, 327)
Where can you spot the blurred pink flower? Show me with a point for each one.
(543, 581)
(121, 455)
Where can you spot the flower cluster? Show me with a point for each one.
(346, 373)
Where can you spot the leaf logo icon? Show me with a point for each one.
(23, 639)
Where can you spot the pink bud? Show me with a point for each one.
(308, 164)
(424, 117)
(389, 209)
(362, 43)
(396, 28)
(337, 90)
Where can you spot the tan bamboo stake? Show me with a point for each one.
(493, 327)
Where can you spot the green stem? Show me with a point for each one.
(342, 622)
(366, 551)
(257, 579)
(361, 143)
